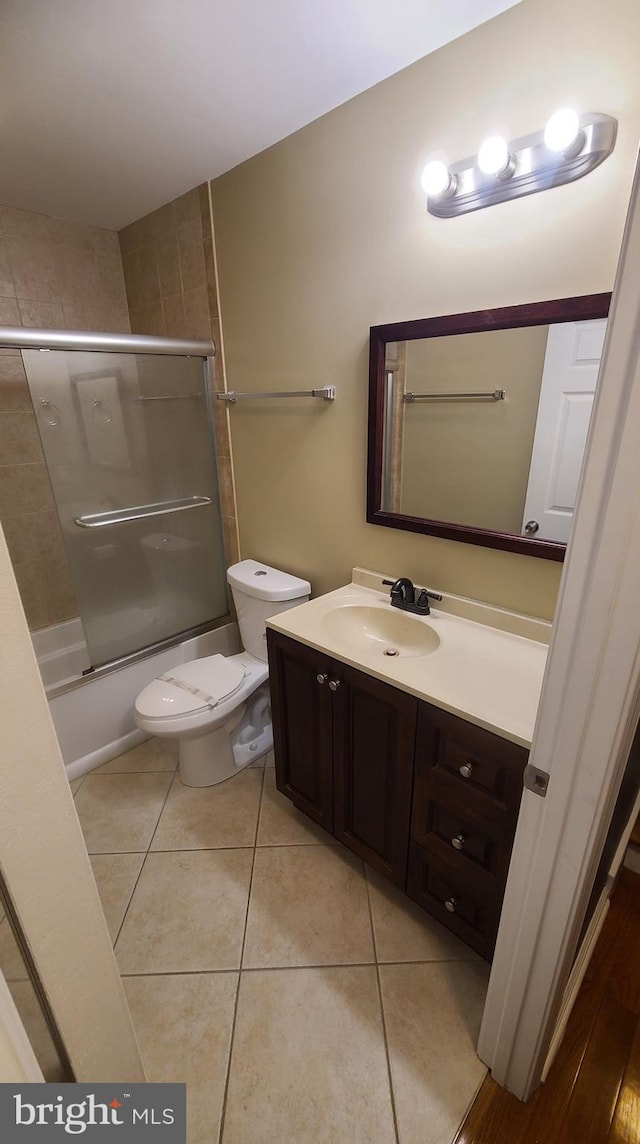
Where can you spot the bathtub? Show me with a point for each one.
(61, 652)
(94, 715)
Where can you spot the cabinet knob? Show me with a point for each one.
(322, 676)
(334, 684)
(466, 770)
(458, 842)
(451, 904)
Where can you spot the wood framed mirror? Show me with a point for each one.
(478, 422)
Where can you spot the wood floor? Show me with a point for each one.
(592, 1093)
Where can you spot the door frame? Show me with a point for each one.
(18, 1063)
(588, 711)
(46, 872)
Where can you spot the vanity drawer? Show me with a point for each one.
(465, 765)
(445, 891)
(478, 847)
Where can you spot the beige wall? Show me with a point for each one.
(327, 233)
(58, 275)
(172, 290)
(468, 461)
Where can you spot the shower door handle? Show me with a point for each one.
(140, 512)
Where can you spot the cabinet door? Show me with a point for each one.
(373, 745)
(301, 709)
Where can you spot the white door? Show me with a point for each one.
(569, 380)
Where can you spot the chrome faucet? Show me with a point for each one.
(403, 596)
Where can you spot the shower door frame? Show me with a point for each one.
(21, 338)
(24, 338)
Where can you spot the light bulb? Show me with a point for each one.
(494, 157)
(436, 179)
(563, 132)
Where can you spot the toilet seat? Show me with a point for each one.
(191, 687)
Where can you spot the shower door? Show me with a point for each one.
(127, 442)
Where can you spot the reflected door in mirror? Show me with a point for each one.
(571, 365)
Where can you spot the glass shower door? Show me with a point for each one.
(129, 452)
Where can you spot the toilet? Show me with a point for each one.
(218, 707)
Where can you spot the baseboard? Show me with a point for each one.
(86, 763)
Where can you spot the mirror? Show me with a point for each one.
(478, 422)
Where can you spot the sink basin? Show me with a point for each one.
(380, 631)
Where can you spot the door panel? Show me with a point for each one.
(128, 449)
(373, 744)
(301, 709)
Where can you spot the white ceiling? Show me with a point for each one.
(109, 108)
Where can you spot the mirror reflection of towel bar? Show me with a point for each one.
(488, 395)
(139, 512)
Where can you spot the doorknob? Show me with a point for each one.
(458, 841)
(334, 684)
(322, 676)
(531, 527)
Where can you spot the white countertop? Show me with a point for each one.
(490, 677)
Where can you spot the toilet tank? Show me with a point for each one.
(260, 592)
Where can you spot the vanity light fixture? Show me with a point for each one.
(563, 133)
(570, 146)
(436, 179)
(494, 158)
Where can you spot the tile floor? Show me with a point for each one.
(302, 999)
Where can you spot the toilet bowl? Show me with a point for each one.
(218, 707)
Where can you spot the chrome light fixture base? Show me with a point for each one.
(534, 168)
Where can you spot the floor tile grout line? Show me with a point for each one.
(214, 849)
(129, 901)
(155, 829)
(287, 968)
(97, 773)
(248, 846)
(144, 862)
(227, 1079)
(392, 1095)
(245, 845)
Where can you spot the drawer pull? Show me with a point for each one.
(451, 904)
(466, 770)
(334, 684)
(459, 841)
(322, 676)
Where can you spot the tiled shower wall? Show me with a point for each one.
(169, 268)
(59, 275)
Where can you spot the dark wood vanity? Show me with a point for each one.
(426, 798)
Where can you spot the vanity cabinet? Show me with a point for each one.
(466, 797)
(344, 746)
(426, 798)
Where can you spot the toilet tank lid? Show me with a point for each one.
(266, 583)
